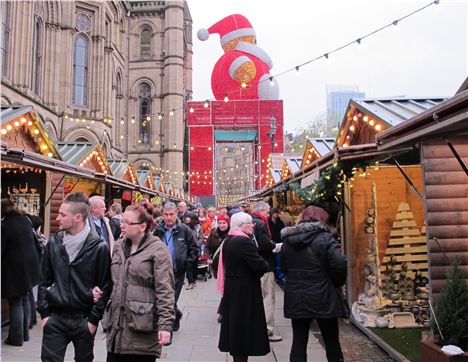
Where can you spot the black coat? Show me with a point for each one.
(114, 224)
(20, 260)
(265, 244)
(315, 269)
(185, 246)
(275, 229)
(66, 287)
(243, 327)
(213, 242)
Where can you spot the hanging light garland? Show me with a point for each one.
(326, 55)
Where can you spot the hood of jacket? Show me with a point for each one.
(301, 235)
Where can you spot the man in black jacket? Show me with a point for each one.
(262, 234)
(75, 260)
(182, 247)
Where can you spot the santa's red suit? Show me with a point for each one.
(246, 57)
(222, 78)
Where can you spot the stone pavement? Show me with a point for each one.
(197, 339)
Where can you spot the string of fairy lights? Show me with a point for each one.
(326, 55)
(206, 175)
(296, 68)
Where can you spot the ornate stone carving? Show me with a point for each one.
(83, 22)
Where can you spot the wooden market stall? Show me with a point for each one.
(88, 155)
(274, 168)
(384, 221)
(316, 148)
(441, 136)
(123, 170)
(28, 185)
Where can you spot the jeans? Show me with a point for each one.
(32, 303)
(20, 315)
(329, 331)
(62, 329)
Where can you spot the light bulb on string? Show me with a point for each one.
(191, 110)
(133, 120)
(226, 99)
(206, 104)
(171, 113)
(298, 72)
(272, 82)
(395, 25)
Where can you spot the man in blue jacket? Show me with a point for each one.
(75, 260)
(182, 247)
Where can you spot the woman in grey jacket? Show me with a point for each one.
(315, 268)
(140, 313)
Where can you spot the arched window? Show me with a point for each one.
(145, 113)
(36, 80)
(145, 43)
(5, 36)
(80, 71)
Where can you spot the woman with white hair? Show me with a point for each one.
(243, 326)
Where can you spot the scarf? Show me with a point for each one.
(74, 243)
(265, 220)
(220, 275)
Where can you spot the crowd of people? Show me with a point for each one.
(126, 268)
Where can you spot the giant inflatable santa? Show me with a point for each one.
(243, 72)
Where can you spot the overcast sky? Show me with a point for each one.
(425, 56)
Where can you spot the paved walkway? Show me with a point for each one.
(197, 339)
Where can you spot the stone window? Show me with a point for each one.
(5, 37)
(80, 71)
(145, 113)
(145, 43)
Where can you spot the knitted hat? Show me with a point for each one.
(224, 217)
(231, 27)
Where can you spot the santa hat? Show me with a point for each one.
(224, 217)
(229, 28)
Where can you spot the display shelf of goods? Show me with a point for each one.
(27, 202)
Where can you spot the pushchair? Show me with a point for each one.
(203, 268)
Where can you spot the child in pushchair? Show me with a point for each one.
(204, 268)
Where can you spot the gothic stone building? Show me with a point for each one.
(116, 73)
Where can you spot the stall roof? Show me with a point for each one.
(10, 113)
(276, 174)
(118, 167)
(24, 116)
(28, 158)
(145, 176)
(293, 162)
(33, 159)
(77, 152)
(322, 145)
(365, 118)
(396, 110)
(446, 117)
(315, 148)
